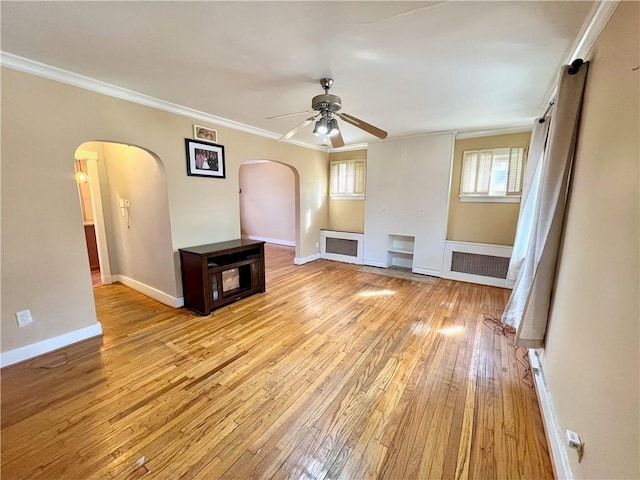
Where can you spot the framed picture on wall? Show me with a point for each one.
(204, 159)
(204, 133)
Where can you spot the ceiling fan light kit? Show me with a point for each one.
(322, 127)
(333, 127)
(328, 107)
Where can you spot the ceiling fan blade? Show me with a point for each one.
(285, 115)
(297, 128)
(367, 127)
(336, 140)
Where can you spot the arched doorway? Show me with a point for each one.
(130, 207)
(269, 202)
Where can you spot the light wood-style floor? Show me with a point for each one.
(332, 373)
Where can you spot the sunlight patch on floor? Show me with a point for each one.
(454, 330)
(376, 293)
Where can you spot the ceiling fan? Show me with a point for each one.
(326, 108)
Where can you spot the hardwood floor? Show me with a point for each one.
(332, 373)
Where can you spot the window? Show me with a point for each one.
(492, 175)
(347, 179)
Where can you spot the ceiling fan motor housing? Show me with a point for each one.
(326, 102)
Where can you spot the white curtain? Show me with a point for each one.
(533, 262)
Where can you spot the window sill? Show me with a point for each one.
(347, 197)
(489, 199)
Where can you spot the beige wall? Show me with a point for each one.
(591, 358)
(347, 215)
(140, 241)
(44, 261)
(267, 201)
(493, 223)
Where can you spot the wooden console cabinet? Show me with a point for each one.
(218, 274)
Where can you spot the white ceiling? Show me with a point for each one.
(406, 67)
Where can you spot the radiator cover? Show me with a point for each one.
(478, 264)
(342, 246)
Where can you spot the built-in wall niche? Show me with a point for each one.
(400, 251)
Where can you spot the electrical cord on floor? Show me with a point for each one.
(521, 354)
(49, 367)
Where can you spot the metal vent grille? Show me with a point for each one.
(475, 264)
(342, 246)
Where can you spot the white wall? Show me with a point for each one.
(407, 194)
(592, 349)
(268, 202)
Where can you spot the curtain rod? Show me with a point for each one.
(572, 70)
(544, 115)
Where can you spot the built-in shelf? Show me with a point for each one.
(406, 251)
(400, 250)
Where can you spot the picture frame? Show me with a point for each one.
(204, 159)
(204, 133)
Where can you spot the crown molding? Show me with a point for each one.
(591, 28)
(50, 72)
(495, 131)
(415, 135)
(350, 148)
(320, 148)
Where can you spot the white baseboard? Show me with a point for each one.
(276, 241)
(303, 260)
(555, 439)
(375, 263)
(420, 270)
(175, 302)
(340, 258)
(49, 345)
(482, 280)
(427, 271)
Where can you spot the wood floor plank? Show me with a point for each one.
(469, 421)
(331, 373)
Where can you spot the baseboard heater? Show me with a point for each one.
(476, 263)
(342, 246)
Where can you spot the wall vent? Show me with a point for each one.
(476, 264)
(482, 263)
(341, 246)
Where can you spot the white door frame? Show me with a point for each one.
(92, 160)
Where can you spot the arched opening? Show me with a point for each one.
(130, 214)
(270, 202)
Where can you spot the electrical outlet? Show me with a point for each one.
(575, 442)
(127, 202)
(24, 318)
